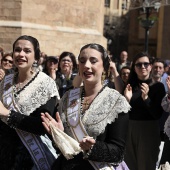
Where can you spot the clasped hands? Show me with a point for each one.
(144, 88)
(87, 142)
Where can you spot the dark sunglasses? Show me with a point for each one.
(10, 61)
(145, 64)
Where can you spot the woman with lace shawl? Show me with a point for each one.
(24, 144)
(166, 106)
(94, 115)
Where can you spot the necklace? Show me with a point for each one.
(82, 111)
(85, 102)
(20, 85)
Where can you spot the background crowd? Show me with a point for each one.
(143, 81)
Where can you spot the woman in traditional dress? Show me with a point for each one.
(144, 96)
(94, 115)
(166, 106)
(24, 95)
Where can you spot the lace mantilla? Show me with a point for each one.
(166, 106)
(37, 93)
(103, 110)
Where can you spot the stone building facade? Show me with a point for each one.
(159, 41)
(58, 25)
(127, 33)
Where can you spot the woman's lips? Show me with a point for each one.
(88, 74)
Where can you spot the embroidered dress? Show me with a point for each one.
(38, 95)
(166, 154)
(106, 121)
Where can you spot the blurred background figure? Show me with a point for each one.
(167, 65)
(51, 66)
(67, 70)
(123, 61)
(62, 71)
(6, 65)
(42, 60)
(158, 71)
(124, 74)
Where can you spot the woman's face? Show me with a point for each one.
(24, 55)
(66, 64)
(90, 66)
(7, 63)
(52, 64)
(143, 68)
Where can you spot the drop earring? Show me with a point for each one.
(34, 66)
(103, 77)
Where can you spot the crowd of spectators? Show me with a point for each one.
(144, 82)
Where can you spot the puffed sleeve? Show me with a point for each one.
(166, 103)
(110, 145)
(33, 122)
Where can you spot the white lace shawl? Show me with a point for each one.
(166, 106)
(103, 110)
(37, 93)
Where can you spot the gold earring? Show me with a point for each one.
(108, 73)
(103, 76)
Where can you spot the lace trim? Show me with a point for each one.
(36, 93)
(103, 110)
(17, 92)
(167, 127)
(166, 106)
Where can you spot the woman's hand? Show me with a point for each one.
(52, 73)
(2, 74)
(145, 90)
(113, 68)
(4, 112)
(87, 143)
(47, 119)
(128, 92)
(68, 72)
